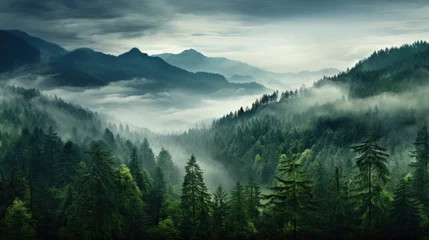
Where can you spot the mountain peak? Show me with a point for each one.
(134, 52)
(192, 52)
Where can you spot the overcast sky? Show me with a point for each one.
(278, 35)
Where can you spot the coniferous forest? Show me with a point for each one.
(344, 158)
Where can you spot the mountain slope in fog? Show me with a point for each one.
(195, 61)
(388, 70)
(318, 125)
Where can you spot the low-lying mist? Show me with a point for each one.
(163, 112)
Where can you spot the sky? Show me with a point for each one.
(277, 35)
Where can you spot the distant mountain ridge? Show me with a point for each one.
(86, 67)
(47, 49)
(194, 61)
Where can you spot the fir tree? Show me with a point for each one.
(165, 162)
(94, 212)
(67, 163)
(157, 195)
(405, 213)
(195, 201)
(148, 158)
(291, 195)
(50, 151)
(135, 168)
(132, 206)
(220, 212)
(420, 166)
(371, 161)
(238, 219)
(253, 195)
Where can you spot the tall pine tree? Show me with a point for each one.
(292, 195)
(371, 161)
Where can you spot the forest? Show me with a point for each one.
(346, 158)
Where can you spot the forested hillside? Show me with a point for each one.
(346, 158)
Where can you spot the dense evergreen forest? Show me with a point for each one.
(346, 158)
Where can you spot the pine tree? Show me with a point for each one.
(291, 195)
(238, 219)
(135, 168)
(18, 222)
(132, 206)
(50, 151)
(148, 158)
(253, 195)
(420, 166)
(156, 197)
(94, 212)
(165, 162)
(371, 162)
(195, 201)
(67, 163)
(405, 213)
(220, 212)
(338, 204)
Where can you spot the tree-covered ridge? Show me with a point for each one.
(391, 70)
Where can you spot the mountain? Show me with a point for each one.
(388, 70)
(387, 97)
(86, 67)
(195, 61)
(15, 52)
(47, 49)
(241, 79)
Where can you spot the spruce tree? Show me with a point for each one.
(157, 195)
(67, 163)
(253, 199)
(292, 194)
(238, 219)
(50, 151)
(195, 201)
(131, 206)
(220, 212)
(94, 212)
(165, 162)
(134, 165)
(148, 158)
(371, 161)
(405, 213)
(339, 207)
(420, 178)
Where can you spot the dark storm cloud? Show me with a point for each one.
(284, 8)
(66, 9)
(74, 22)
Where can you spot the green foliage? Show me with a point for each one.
(156, 196)
(166, 230)
(373, 173)
(220, 213)
(405, 212)
(165, 162)
(18, 222)
(420, 166)
(148, 158)
(195, 201)
(292, 189)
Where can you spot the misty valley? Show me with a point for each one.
(184, 145)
